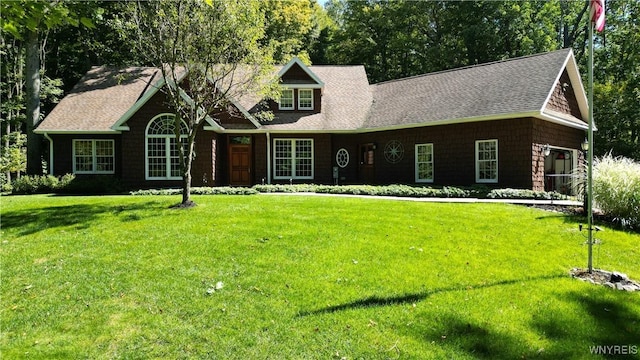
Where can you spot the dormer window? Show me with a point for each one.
(305, 99)
(286, 99)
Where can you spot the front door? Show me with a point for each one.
(366, 173)
(240, 160)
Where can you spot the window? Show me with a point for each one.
(286, 99)
(293, 158)
(163, 157)
(487, 161)
(424, 163)
(305, 99)
(93, 156)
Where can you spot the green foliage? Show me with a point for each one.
(106, 277)
(525, 194)
(617, 82)
(39, 184)
(13, 158)
(388, 190)
(222, 190)
(616, 189)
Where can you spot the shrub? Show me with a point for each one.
(40, 184)
(222, 190)
(525, 194)
(616, 188)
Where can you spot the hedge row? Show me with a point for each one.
(67, 184)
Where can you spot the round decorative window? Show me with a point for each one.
(342, 157)
(393, 151)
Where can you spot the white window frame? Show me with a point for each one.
(418, 162)
(94, 157)
(167, 156)
(280, 106)
(293, 174)
(478, 162)
(310, 92)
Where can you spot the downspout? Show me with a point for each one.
(46, 136)
(268, 158)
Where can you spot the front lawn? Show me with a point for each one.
(281, 277)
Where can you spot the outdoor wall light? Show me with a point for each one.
(585, 145)
(546, 150)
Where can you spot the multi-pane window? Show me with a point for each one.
(424, 162)
(305, 99)
(163, 157)
(293, 159)
(487, 161)
(93, 156)
(286, 99)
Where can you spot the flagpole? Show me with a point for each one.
(590, 154)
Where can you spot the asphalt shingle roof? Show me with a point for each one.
(513, 86)
(99, 99)
(349, 102)
(346, 99)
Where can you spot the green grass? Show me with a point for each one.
(304, 277)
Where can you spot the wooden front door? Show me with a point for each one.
(240, 164)
(366, 173)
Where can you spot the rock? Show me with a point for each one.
(630, 288)
(610, 284)
(619, 286)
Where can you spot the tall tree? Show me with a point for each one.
(27, 20)
(617, 81)
(209, 53)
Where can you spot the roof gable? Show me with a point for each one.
(296, 73)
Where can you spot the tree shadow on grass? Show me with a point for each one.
(614, 323)
(378, 301)
(80, 216)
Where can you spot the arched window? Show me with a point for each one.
(162, 156)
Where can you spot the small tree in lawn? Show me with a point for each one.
(209, 53)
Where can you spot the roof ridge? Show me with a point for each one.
(471, 66)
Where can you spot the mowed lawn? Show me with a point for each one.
(304, 277)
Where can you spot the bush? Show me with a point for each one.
(388, 190)
(223, 190)
(525, 194)
(40, 184)
(616, 189)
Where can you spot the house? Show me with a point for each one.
(515, 123)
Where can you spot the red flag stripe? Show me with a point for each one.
(597, 14)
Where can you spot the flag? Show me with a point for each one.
(597, 14)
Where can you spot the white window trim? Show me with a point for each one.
(94, 157)
(167, 151)
(293, 159)
(477, 161)
(293, 98)
(419, 180)
(300, 107)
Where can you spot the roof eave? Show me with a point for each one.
(77, 132)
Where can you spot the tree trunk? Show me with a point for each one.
(186, 156)
(32, 77)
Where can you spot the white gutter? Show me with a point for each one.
(268, 158)
(46, 136)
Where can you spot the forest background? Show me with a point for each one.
(392, 39)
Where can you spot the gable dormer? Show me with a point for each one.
(301, 89)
